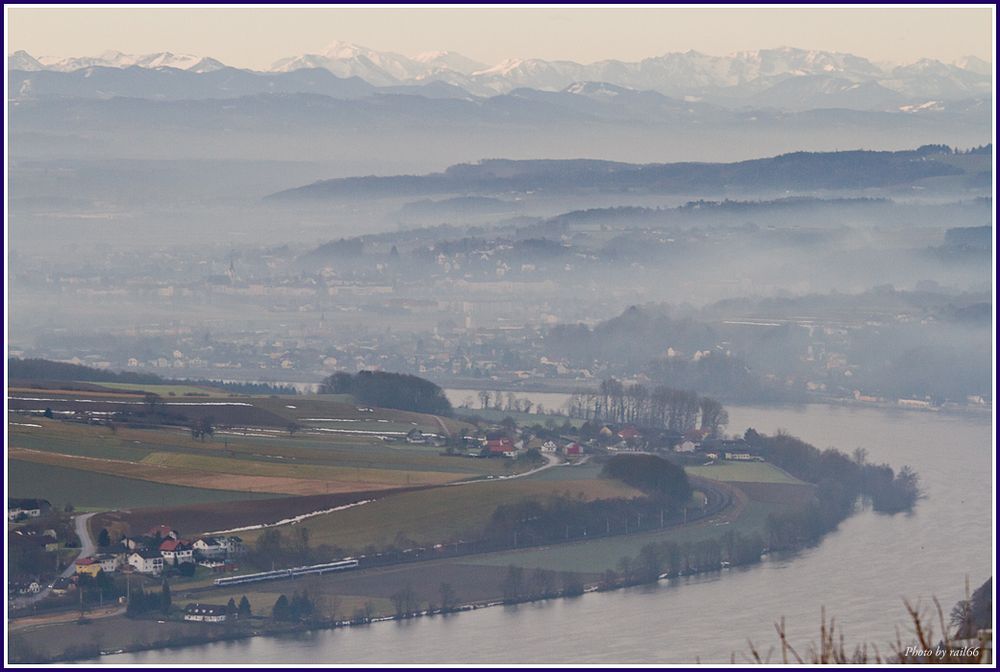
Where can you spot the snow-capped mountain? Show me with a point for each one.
(381, 68)
(928, 78)
(786, 77)
(974, 64)
(22, 60)
(116, 59)
(449, 60)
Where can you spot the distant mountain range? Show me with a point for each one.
(785, 78)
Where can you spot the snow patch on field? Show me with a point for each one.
(357, 431)
(294, 520)
(137, 403)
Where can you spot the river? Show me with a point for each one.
(860, 573)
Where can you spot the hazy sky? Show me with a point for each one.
(256, 37)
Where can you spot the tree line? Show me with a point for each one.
(666, 491)
(45, 369)
(671, 558)
(840, 480)
(518, 585)
(659, 407)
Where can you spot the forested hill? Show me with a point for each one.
(798, 171)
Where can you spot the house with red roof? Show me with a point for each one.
(162, 531)
(629, 433)
(500, 446)
(176, 551)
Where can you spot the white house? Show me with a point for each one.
(210, 547)
(686, 447)
(107, 561)
(234, 546)
(176, 552)
(146, 562)
(30, 508)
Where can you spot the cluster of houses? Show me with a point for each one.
(737, 450)
(492, 444)
(31, 533)
(160, 548)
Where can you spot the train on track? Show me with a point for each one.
(337, 566)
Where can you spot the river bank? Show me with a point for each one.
(711, 616)
(88, 640)
(122, 635)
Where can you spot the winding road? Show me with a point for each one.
(87, 547)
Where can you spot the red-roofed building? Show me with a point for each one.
(573, 449)
(175, 551)
(87, 566)
(164, 532)
(501, 446)
(629, 433)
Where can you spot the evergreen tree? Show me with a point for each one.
(244, 608)
(136, 603)
(281, 610)
(165, 598)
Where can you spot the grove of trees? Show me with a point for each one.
(659, 407)
(389, 390)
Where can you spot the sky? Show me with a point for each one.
(255, 37)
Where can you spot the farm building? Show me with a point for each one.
(206, 613)
(27, 508)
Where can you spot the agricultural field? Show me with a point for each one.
(744, 472)
(599, 554)
(440, 515)
(88, 490)
(253, 461)
(765, 490)
(191, 519)
(166, 390)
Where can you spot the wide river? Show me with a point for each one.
(860, 574)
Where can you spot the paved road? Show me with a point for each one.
(551, 460)
(87, 547)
